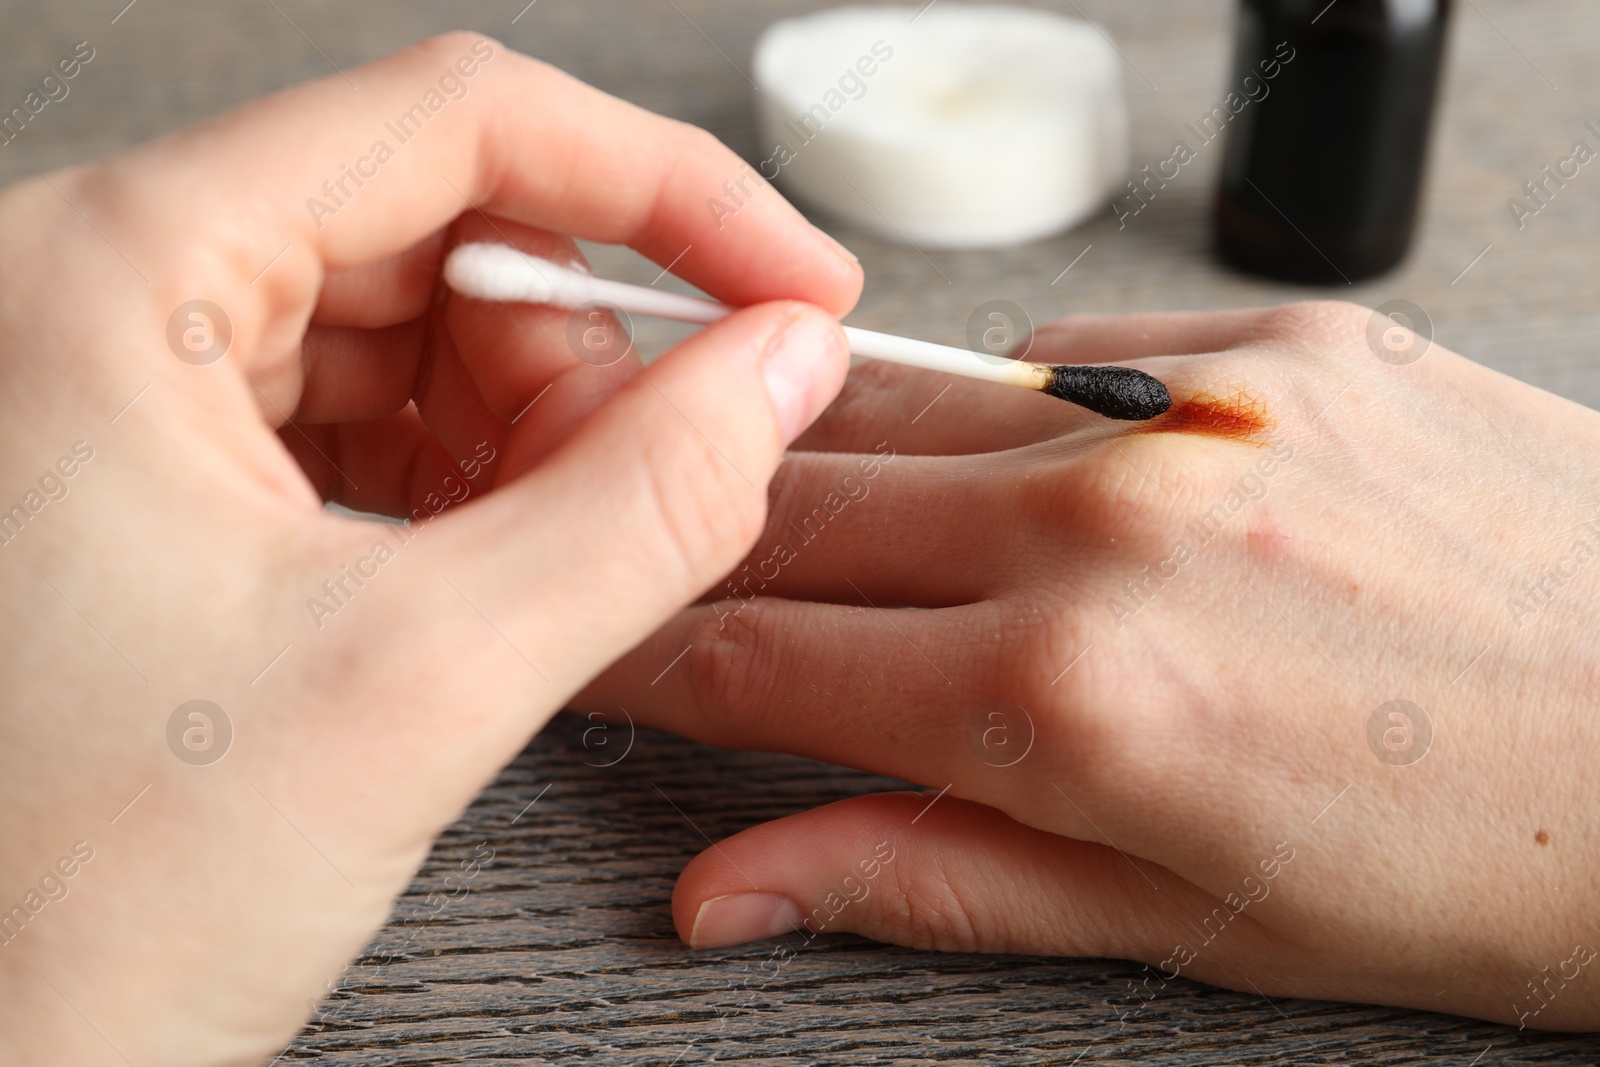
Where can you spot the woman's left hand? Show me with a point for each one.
(1292, 689)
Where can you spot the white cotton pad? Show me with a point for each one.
(961, 126)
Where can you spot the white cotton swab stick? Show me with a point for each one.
(500, 272)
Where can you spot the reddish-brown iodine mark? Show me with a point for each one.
(1237, 417)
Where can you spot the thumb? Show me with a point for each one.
(655, 495)
(962, 877)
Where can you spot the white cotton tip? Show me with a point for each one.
(500, 272)
(967, 127)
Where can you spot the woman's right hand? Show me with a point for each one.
(235, 722)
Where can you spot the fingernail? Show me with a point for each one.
(740, 917)
(796, 358)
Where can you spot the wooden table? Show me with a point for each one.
(561, 949)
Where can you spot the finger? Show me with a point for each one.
(890, 692)
(525, 359)
(432, 131)
(940, 874)
(915, 411)
(657, 493)
(449, 401)
(1119, 338)
(914, 408)
(922, 413)
(397, 288)
(358, 373)
(837, 531)
(512, 354)
(893, 530)
(390, 466)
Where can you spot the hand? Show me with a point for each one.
(179, 881)
(1153, 673)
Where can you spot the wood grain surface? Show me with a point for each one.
(560, 949)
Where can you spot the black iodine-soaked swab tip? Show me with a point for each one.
(1115, 392)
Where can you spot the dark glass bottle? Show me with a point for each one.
(1323, 166)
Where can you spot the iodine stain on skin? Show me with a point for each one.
(1237, 417)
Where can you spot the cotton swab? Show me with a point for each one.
(500, 272)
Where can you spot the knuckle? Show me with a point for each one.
(932, 912)
(1111, 499)
(157, 200)
(1061, 334)
(727, 671)
(701, 141)
(1093, 730)
(452, 43)
(868, 390)
(26, 198)
(797, 494)
(1048, 637)
(1318, 327)
(1088, 710)
(875, 380)
(31, 217)
(453, 50)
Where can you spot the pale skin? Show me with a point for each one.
(208, 917)
(1214, 724)
(1200, 794)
